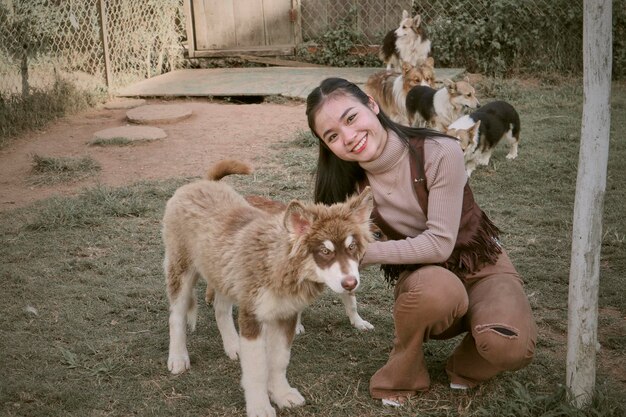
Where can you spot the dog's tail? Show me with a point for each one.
(227, 167)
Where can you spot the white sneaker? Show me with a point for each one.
(458, 386)
(391, 403)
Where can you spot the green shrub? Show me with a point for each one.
(336, 47)
(507, 40)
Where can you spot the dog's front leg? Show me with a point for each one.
(224, 317)
(181, 305)
(254, 367)
(279, 336)
(349, 302)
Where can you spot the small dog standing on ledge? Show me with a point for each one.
(408, 43)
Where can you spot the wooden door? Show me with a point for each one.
(233, 27)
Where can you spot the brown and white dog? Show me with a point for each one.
(271, 265)
(272, 206)
(408, 43)
(389, 88)
(438, 108)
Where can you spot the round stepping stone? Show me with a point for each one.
(131, 133)
(124, 103)
(158, 113)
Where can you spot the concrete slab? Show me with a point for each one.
(132, 133)
(158, 113)
(285, 81)
(125, 103)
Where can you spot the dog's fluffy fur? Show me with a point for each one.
(408, 43)
(272, 206)
(390, 88)
(271, 265)
(438, 108)
(480, 132)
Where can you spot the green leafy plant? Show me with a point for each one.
(338, 46)
(506, 40)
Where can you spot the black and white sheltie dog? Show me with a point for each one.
(495, 120)
(408, 43)
(428, 107)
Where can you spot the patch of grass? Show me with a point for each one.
(83, 316)
(54, 170)
(305, 139)
(20, 114)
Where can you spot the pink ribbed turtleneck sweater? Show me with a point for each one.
(390, 178)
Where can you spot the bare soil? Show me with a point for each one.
(215, 131)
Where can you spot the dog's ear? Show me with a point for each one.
(417, 20)
(297, 218)
(406, 67)
(405, 14)
(430, 62)
(362, 204)
(450, 85)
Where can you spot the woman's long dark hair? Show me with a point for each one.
(336, 179)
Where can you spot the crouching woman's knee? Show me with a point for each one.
(505, 347)
(432, 298)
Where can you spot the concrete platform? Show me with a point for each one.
(124, 103)
(285, 81)
(158, 114)
(132, 133)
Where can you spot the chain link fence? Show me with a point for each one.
(496, 37)
(106, 44)
(91, 43)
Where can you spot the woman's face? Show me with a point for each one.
(350, 129)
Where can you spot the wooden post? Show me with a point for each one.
(296, 18)
(589, 202)
(24, 72)
(104, 37)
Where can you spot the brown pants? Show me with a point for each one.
(433, 303)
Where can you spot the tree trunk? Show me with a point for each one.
(589, 202)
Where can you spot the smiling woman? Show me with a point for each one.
(451, 274)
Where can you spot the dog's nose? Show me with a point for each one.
(349, 283)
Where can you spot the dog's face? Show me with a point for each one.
(411, 76)
(332, 238)
(427, 70)
(462, 94)
(409, 26)
(467, 136)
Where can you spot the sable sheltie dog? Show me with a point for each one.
(408, 43)
(390, 88)
(480, 132)
(438, 108)
(271, 265)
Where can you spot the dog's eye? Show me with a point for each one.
(325, 251)
(352, 247)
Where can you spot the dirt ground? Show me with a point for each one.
(215, 131)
